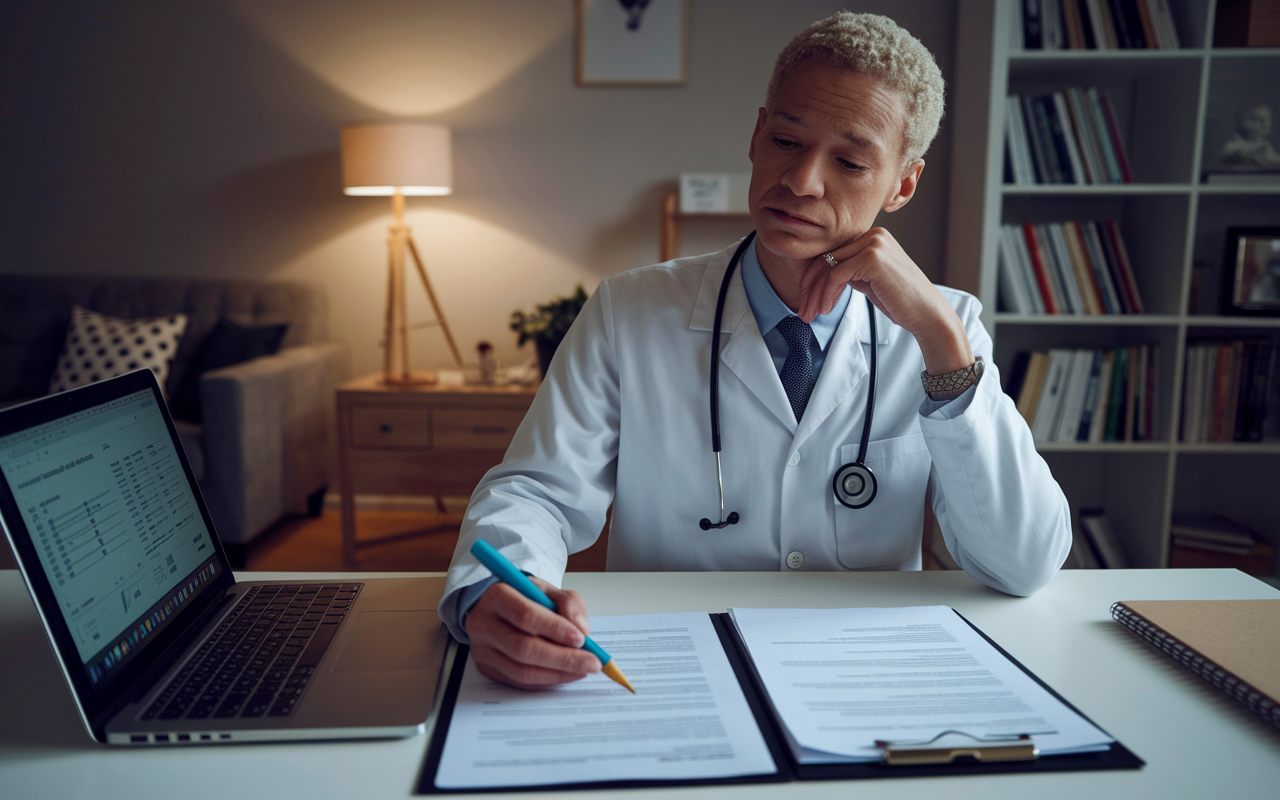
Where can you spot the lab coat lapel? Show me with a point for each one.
(745, 354)
(844, 370)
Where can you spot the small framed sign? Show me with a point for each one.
(1252, 272)
(632, 43)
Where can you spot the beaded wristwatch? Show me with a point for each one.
(950, 385)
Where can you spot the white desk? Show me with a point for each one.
(1197, 742)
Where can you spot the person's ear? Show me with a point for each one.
(760, 118)
(905, 188)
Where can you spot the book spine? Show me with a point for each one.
(1080, 267)
(1030, 282)
(1133, 21)
(1068, 132)
(1097, 426)
(1104, 138)
(1066, 270)
(1038, 152)
(1115, 404)
(1264, 365)
(1166, 23)
(1088, 148)
(1101, 272)
(1090, 397)
(1047, 294)
(1233, 391)
(1071, 19)
(1029, 397)
(1032, 33)
(1148, 27)
(1131, 391)
(1124, 39)
(1010, 281)
(1113, 128)
(1239, 690)
(1042, 111)
(1126, 267)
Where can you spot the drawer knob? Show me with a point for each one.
(385, 427)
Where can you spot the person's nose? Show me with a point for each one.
(804, 176)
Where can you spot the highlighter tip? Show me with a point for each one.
(613, 672)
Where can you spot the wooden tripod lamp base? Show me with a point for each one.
(396, 327)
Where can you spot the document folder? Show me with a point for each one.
(788, 768)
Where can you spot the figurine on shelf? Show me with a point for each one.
(488, 364)
(1251, 147)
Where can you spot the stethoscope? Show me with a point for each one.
(854, 484)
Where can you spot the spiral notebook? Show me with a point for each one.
(1232, 644)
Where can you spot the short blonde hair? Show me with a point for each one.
(873, 45)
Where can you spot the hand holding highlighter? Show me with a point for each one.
(504, 571)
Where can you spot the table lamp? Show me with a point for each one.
(394, 160)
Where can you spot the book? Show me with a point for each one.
(1049, 405)
(1029, 396)
(1212, 528)
(1106, 543)
(1098, 424)
(1113, 429)
(1232, 644)
(1074, 396)
(1092, 389)
(1225, 390)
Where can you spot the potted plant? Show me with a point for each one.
(548, 325)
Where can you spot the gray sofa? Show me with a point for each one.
(264, 448)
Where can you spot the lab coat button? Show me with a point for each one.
(795, 559)
(795, 459)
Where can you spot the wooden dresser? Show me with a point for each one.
(429, 440)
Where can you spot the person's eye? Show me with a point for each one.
(849, 165)
(784, 142)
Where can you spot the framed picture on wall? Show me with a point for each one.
(632, 43)
(1252, 269)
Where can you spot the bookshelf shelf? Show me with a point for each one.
(1173, 111)
(1101, 320)
(1060, 190)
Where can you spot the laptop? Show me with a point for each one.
(159, 642)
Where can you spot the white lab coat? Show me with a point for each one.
(623, 417)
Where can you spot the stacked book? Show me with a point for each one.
(1203, 540)
(1224, 395)
(1095, 545)
(1066, 268)
(1065, 137)
(1097, 24)
(1087, 395)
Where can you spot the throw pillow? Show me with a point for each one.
(99, 347)
(229, 343)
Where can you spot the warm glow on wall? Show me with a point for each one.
(411, 58)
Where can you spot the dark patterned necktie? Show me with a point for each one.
(797, 370)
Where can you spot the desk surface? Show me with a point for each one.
(1196, 741)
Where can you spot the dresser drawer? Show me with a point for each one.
(373, 426)
(474, 429)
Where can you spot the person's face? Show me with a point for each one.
(1255, 124)
(826, 158)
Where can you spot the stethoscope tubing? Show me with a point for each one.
(717, 325)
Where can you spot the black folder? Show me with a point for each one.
(788, 769)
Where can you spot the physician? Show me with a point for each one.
(814, 298)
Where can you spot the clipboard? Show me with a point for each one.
(788, 769)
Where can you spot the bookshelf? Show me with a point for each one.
(1173, 110)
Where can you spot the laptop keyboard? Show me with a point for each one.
(261, 656)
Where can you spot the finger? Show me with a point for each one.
(528, 617)
(534, 651)
(497, 666)
(570, 605)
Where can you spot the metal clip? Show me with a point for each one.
(950, 745)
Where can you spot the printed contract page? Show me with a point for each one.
(687, 720)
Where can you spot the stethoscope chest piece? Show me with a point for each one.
(855, 485)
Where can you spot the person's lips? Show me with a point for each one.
(792, 217)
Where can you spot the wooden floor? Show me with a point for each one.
(414, 542)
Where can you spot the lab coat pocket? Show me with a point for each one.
(887, 531)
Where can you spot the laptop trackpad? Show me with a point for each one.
(384, 640)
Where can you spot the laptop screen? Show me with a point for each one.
(113, 520)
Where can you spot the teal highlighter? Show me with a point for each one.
(504, 571)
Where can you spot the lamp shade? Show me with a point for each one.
(414, 157)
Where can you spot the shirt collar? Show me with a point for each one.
(769, 309)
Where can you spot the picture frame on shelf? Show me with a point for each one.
(632, 43)
(1251, 285)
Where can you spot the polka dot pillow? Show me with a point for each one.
(100, 347)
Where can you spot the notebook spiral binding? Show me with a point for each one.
(1241, 691)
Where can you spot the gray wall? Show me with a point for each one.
(200, 138)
